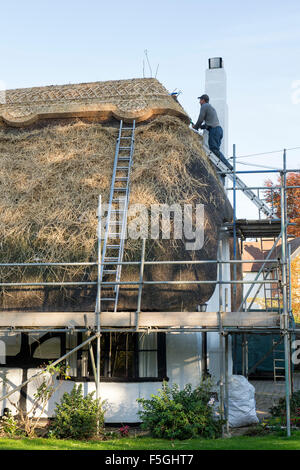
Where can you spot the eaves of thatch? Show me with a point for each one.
(57, 147)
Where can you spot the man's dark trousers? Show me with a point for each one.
(214, 143)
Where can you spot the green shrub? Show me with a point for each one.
(76, 416)
(257, 430)
(9, 425)
(180, 414)
(279, 410)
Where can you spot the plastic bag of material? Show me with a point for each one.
(241, 402)
(242, 406)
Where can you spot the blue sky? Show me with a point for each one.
(70, 41)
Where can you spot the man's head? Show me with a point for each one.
(203, 99)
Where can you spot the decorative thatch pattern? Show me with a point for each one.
(138, 99)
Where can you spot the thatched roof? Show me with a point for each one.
(139, 99)
(53, 171)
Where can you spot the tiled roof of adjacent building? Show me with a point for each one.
(256, 251)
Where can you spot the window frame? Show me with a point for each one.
(161, 363)
(25, 359)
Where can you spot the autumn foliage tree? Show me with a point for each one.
(295, 285)
(293, 214)
(293, 201)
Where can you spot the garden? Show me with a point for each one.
(172, 419)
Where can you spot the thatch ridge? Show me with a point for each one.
(139, 99)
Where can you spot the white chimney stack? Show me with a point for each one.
(216, 89)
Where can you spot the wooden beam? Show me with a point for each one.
(146, 319)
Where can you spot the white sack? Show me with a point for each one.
(242, 406)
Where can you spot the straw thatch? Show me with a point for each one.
(138, 99)
(51, 174)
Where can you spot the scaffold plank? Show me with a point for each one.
(18, 319)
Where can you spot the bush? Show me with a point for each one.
(9, 425)
(76, 416)
(257, 430)
(175, 414)
(279, 410)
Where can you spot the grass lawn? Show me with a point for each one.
(269, 442)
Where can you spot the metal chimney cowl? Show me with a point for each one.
(215, 63)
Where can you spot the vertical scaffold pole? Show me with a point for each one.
(226, 369)
(285, 319)
(98, 301)
(291, 318)
(233, 300)
(221, 342)
(226, 383)
(234, 225)
(139, 301)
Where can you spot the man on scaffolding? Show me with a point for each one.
(208, 119)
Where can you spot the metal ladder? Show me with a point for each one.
(271, 272)
(272, 290)
(278, 361)
(116, 221)
(261, 205)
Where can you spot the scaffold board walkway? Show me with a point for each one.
(258, 319)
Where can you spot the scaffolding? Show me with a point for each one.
(224, 322)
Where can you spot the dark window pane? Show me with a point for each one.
(123, 364)
(127, 355)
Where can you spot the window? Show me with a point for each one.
(29, 350)
(126, 357)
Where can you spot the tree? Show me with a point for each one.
(293, 201)
(293, 214)
(295, 283)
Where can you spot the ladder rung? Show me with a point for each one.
(120, 189)
(121, 178)
(109, 271)
(111, 258)
(127, 128)
(119, 200)
(115, 222)
(108, 299)
(114, 247)
(125, 137)
(122, 168)
(124, 157)
(123, 148)
(117, 210)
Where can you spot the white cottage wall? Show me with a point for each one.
(213, 340)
